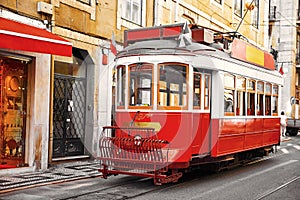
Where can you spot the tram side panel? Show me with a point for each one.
(231, 135)
(236, 135)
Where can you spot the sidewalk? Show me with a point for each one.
(56, 174)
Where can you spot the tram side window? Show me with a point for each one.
(250, 97)
(241, 96)
(260, 98)
(268, 95)
(229, 88)
(140, 85)
(206, 91)
(197, 90)
(172, 88)
(121, 85)
(275, 100)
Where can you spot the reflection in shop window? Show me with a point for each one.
(140, 87)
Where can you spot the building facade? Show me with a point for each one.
(285, 40)
(70, 98)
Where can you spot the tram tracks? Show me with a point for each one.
(123, 190)
(270, 192)
(135, 188)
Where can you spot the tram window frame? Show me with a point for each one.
(260, 98)
(268, 99)
(240, 96)
(251, 92)
(274, 103)
(207, 86)
(121, 85)
(134, 93)
(170, 89)
(229, 87)
(197, 91)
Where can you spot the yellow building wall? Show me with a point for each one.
(210, 14)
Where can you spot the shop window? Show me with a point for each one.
(132, 11)
(140, 87)
(251, 97)
(241, 96)
(172, 86)
(13, 107)
(229, 88)
(121, 78)
(275, 100)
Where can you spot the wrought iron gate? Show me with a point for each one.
(68, 116)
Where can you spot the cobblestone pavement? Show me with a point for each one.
(56, 174)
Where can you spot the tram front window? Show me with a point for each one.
(121, 85)
(172, 86)
(140, 87)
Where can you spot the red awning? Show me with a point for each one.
(18, 36)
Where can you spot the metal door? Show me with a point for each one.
(68, 116)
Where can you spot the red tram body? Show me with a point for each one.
(181, 103)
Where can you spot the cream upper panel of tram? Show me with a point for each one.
(154, 59)
(237, 67)
(210, 62)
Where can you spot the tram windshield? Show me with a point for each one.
(172, 85)
(140, 87)
(137, 88)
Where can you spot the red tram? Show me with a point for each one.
(183, 101)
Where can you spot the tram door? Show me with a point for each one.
(69, 104)
(201, 114)
(13, 96)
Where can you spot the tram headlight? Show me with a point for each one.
(137, 140)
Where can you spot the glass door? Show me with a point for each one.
(13, 89)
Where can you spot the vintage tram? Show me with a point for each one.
(183, 100)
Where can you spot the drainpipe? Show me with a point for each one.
(50, 147)
(155, 10)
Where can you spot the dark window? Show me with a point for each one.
(238, 7)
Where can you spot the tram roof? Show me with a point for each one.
(153, 47)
